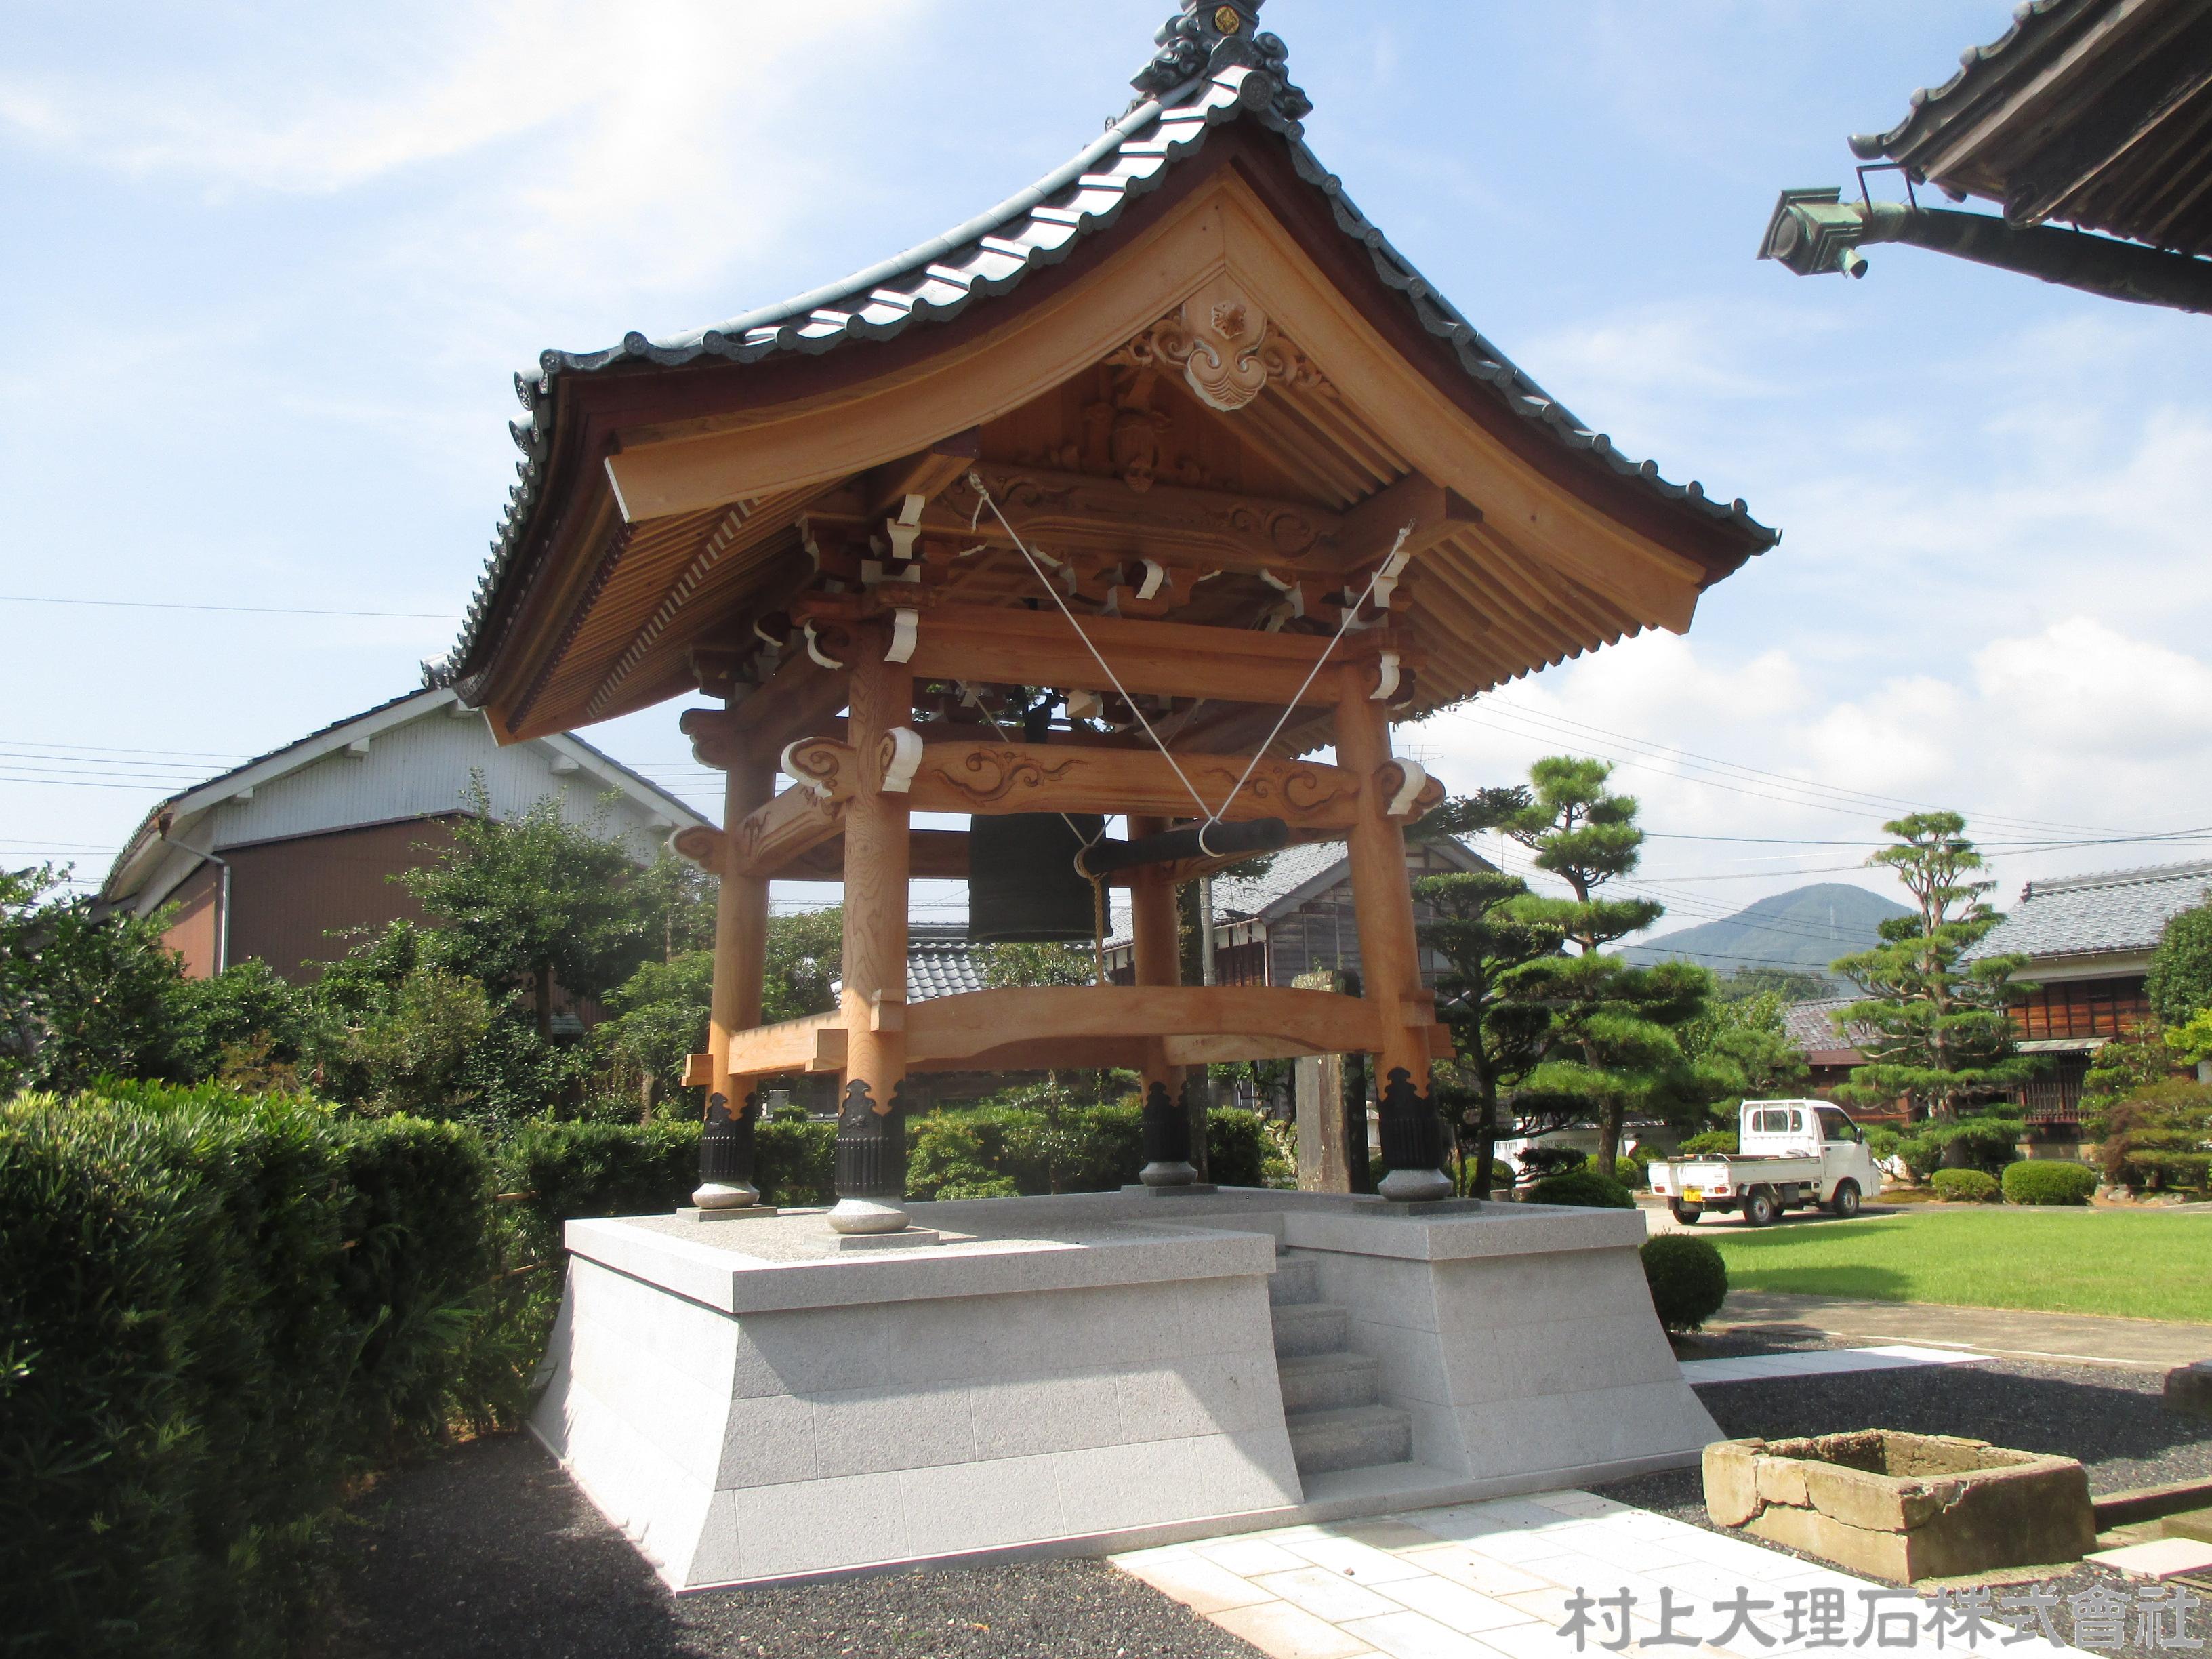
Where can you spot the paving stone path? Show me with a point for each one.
(1507, 1579)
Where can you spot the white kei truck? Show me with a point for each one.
(1794, 1154)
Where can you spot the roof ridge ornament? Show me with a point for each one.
(1209, 36)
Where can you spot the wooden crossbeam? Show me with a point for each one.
(1040, 648)
(1023, 777)
(1091, 1025)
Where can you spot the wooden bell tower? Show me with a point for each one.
(1177, 438)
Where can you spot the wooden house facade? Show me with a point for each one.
(2088, 941)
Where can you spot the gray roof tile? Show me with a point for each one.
(1811, 1025)
(940, 962)
(2115, 910)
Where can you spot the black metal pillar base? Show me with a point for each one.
(870, 1163)
(725, 1155)
(1412, 1143)
(1166, 1140)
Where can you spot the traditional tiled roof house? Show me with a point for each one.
(2088, 940)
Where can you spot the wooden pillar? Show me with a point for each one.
(870, 1134)
(1389, 951)
(740, 926)
(726, 1151)
(1156, 955)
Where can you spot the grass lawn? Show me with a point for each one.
(2054, 1260)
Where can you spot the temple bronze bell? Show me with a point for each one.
(1023, 884)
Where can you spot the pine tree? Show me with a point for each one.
(1609, 1039)
(1940, 1035)
(1479, 929)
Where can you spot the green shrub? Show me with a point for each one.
(1881, 1142)
(1583, 1187)
(1921, 1154)
(1964, 1186)
(1502, 1177)
(2048, 1180)
(1710, 1143)
(1987, 1142)
(213, 1313)
(1541, 1161)
(1688, 1280)
(2159, 1138)
(1235, 1147)
(1633, 1173)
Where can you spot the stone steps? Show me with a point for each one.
(1331, 1396)
(1296, 1280)
(1329, 1381)
(1357, 1437)
(1302, 1328)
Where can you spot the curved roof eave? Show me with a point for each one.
(2028, 20)
(1036, 227)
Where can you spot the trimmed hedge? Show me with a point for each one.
(1964, 1186)
(1583, 1187)
(212, 1316)
(1688, 1280)
(2048, 1180)
(1001, 1151)
(217, 1311)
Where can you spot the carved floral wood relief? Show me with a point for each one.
(984, 774)
(1227, 349)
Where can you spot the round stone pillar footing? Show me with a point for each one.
(1167, 1174)
(1415, 1185)
(867, 1215)
(721, 1195)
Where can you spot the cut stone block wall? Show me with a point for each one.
(1080, 1372)
(1904, 1507)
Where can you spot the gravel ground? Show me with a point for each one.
(2108, 1418)
(486, 1552)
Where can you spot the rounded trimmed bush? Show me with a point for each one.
(1688, 1280)
(2048, 1180)
(1964, 1186)
(1708, 1143)
(1584, 1188)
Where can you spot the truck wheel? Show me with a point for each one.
(1845, 1201)
(1759, 1209)
(1687, 1214)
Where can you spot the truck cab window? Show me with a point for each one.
(1834, 1125)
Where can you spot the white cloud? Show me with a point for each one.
(2075, 732)
(596, 131)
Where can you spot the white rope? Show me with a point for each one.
(1343, 626)
(977, 481)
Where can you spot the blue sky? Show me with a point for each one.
(270, 270)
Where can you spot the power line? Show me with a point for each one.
(1885, 802)
(84, 783)
(237, 609)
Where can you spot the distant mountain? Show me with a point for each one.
(1807, 928)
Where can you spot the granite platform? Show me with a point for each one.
(1091, 1373)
